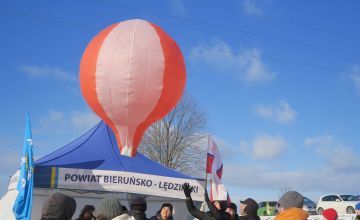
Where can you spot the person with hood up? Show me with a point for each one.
(357, 211)
(138, 208)
(165, 212)
(290, 206)
(58, 207)
(232, 210)
(248, 210)
(330, 214)
(210, 215)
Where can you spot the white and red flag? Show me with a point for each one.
(214, 166)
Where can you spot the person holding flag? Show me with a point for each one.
(217, 208)
(23, 203)
(219, 198)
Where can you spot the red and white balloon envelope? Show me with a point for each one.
(132, 74)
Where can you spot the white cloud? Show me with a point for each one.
(247, 64)
(264, 146)
(323, 140)
(46, 71)
(339, 158)
(84, 119)
(58, 122)
(355, 77)
(251, 7)
(281, 112)
(226, 150)
(272, 179)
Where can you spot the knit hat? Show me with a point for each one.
(138, 203)
(251, 206)
(330, 214)
(108, 208)
(58, 206)
(232, 206)
(291, 199)
(357, 206)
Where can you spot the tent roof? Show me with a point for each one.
(97, 149)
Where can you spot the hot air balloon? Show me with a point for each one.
(132, 74)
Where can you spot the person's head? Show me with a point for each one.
(357, 209)
(108, 208)
(291, 199)
(58, 206)
(166, 211)
(87, 212)
(231, 209)
(330, 214)
(138, 203)
(248, 207)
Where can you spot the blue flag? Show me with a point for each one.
(23, 202)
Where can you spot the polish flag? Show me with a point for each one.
(214, 166)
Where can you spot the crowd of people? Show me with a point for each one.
(290, 207)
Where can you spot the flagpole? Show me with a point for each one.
(206, 183)
(207, 151)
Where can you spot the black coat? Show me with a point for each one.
(218, 214)
(196, 212)
(249, 217)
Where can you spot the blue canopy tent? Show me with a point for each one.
(91, 168)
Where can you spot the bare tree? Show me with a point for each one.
(177, 141)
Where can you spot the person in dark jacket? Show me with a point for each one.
(217, 208)
(165, 212)
(232, 210)
(138, 208)
(248, 210)
(86, 213)
(58, 207)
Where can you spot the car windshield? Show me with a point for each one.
(349, 198)
(307, 200)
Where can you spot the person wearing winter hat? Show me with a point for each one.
(330, 214)
(138, 208)
(357, 211)
(248, 210)
(58, 207)
(290, 206)
(165, 212)
(232, 210)
(209, 215)
(108, 208)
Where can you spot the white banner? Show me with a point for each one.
(117, 181)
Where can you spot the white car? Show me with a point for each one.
(343, 204)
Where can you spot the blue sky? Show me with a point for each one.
(279, 81)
